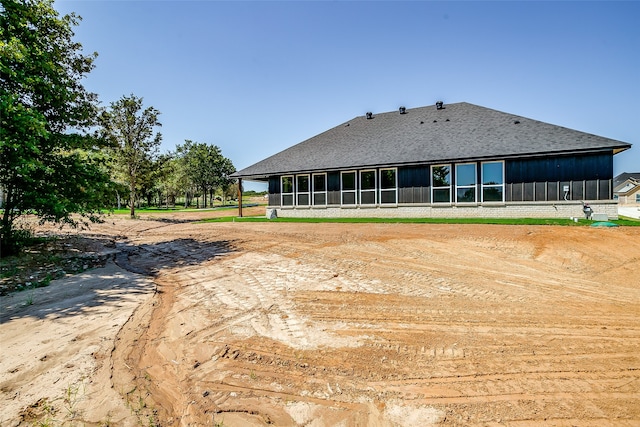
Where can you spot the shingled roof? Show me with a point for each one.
(625, 176)
(456, 133)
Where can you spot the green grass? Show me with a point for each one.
(154, 210)
(505, 221)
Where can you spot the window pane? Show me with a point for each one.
(349, 181)
(319, 199)
(368, 197)
(388, 178)
(303, 184)
(492, 173)
(492, 194)
(368, 180)
(287, 184)
(465, 175)
(348, 198)
(466, 195)
(287, 200)
(303, 199)
(440, 176)
(388, 196)
(319, 183)
(441, 195)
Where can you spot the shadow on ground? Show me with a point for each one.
(111, 285)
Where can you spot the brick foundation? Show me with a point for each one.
(571, 209)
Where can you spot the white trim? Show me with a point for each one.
(314, 192)
(433, 187)
(354, 191)
(468, 186)
(394, 189)
(483, 186)
(302, 193)
(373, 190)
(282, 193)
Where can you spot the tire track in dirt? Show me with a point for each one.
(350, 326)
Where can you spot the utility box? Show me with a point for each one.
(271, 214)
(599, 217)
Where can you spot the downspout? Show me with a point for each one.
(240, 197)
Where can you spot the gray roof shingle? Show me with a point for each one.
(458, 132)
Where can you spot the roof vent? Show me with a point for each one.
(403, 110)
(439, 105)
(369, 115)
(516, 122)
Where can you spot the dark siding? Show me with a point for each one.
(333, 181)
(540, 191)
(414, 195)
(414, 176)
(552, 191)
(333, 198)
(413, 184)
(274, 184)
(577, 168)
(591, 190)
(604, 190)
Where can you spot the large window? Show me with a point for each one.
(319, 189)
(441, 184)
(287, 190)
(637, 198)
(303, 190)
(466, 183)
(493, 182)
(368, 187)
(348, 188)
(388, 186)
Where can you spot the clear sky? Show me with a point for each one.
(256, 77)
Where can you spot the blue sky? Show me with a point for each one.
(255, 78)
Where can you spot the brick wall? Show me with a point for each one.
(507, 210)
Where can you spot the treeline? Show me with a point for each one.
(65, 158)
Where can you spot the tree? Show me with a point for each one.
(130, 130)
(205, 166)
(47, 155)
(165, 179)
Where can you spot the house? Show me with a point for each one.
(455, 160)
(626, 189)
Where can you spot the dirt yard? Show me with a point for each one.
(241, 324)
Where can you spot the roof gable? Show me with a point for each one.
(457, 132)
(625, 176)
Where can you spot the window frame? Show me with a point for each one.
(434, 188)
(483, 186)
(637, 197)
(473, 186)
(303, 193)
(322, 192)
(373, 190)
(354, 191)
(388, 190)
(282, 192)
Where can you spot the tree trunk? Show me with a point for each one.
(7, 244)
(132, 201)
(204, 196)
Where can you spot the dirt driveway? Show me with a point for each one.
(241, 324)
